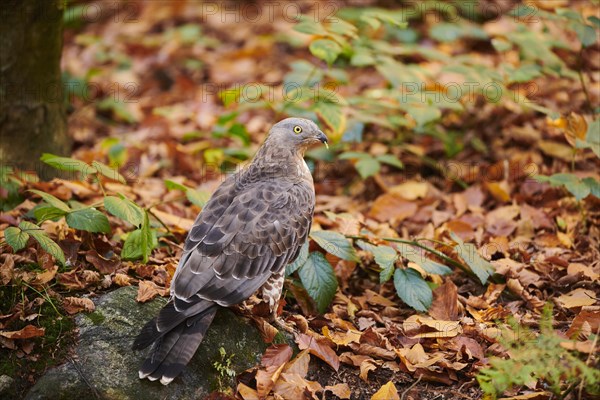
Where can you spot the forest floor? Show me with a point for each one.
(144, 96)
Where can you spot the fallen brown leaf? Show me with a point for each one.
(276, 355)
(391, 207)
(299, 365)
(105, 266)
(27, 332)
(148, 290)
(7, 269)
(341, 390)
(272, 364)
(585, 317)
(366, 366)
(73, 305)
(46, 276)
(386, 392)
(315, 347)
(577, 298)
(445, 302)
(247, 392)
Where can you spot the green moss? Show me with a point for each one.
(48, 350)
(96, 317)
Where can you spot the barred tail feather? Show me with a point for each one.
(172, 349)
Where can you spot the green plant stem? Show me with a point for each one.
(415, 243)
(160, 221)
(100, 184)
(161, 202)
(582, 80)
(435, 165)
(434, 241)
(45, 296)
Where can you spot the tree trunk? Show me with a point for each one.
(32, 110)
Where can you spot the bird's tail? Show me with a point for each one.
(173, 348)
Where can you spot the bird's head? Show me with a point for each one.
(298, 132)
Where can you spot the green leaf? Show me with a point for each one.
(300, 260)
(572, 183)
(446, 32)
(342, 27)
(385, 257)
(412, 289)
(354, 155)
(88, 219)
(362, 58)
(125, 209)
(319, 280)
(468, 252)
(390, 159)
(109, 172)
(302, 74)
(132, 248)
(53, 201)
(422, 113)
(197, 197)
(592, 137)
(148, 238)
(501, 45)
(172, 185)
(367, 167)
(45, 242)
(523, 10)
(412, 254)
(524, 73)
(325, 49)
(594, 186)
(585, 33)
(594, 20)
(310, 26)
(335, 243)
(68, 164)
(45, 212)
(139, 244)
(332, 114)
(16, 238)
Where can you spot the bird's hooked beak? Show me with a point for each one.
(322, 138)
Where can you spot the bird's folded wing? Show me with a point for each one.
(241, 238)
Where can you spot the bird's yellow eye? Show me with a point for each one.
(297, 130)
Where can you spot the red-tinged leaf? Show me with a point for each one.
(105, 266)
(315, 347)
(28, 332)
(276, 355)
(588, 317)
(272, 364)
(445, 302)
(386, 392)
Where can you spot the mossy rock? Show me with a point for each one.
(105, 367)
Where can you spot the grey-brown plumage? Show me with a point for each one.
(253, 225)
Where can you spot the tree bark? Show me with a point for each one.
(32, 110)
